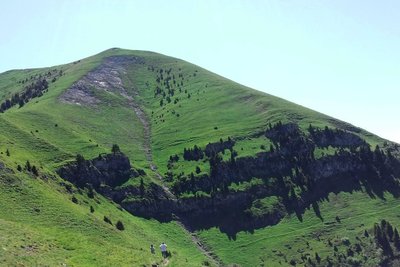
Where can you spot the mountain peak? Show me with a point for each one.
(125, 135)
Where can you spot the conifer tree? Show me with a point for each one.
(28, 166)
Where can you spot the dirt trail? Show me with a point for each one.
(108, 77)
(213, 259)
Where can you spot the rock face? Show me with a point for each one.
(335, 138)
(289, 173)
(213, 148)
(110, 170)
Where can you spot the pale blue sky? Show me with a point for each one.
(338, 57)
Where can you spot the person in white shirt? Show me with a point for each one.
(163, 248)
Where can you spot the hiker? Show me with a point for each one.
(152, 249)
(163, 248)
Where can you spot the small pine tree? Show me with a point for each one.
(80, 160)
(271, 149)
(8, 152)
(120, 226)
(19, 168)
(115, 149)
(35, 170)
(90, 192)
(91, 209)
(28, 166)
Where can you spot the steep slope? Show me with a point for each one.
(237, 168)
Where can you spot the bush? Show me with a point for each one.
(345, 241)
(91, 209)
(198, 170)
(141, 172)
(68, 187)
(120, 226)
(90, 192)
(107, 220)
(74, 199)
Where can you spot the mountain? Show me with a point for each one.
(106, 155)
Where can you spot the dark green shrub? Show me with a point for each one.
(107, 220)
(120, 226)
(115, 149)
(74, 199)
(35, 170)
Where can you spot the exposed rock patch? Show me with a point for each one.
(107, 77)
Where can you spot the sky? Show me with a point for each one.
(340, 57)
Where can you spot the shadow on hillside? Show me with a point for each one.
(231, 221)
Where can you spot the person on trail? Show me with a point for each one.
(152, 249)
(163, 248)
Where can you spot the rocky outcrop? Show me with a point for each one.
(200, 211)
(335, 138)
(105, 170)
(289, 172)
(336, 165)
(214, 148)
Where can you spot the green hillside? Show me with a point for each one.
(222, 173)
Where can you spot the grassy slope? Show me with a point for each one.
(238, 111)
(40, 225)
(357, 211)
(217, 108)
(215, 102)
(29, 133)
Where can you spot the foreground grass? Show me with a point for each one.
(41, 226)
